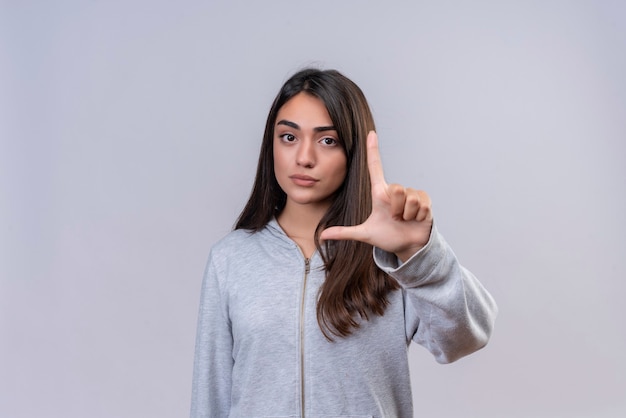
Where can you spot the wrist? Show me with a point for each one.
(409, 252)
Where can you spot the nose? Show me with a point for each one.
(305, 155)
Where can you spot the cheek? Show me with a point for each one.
(278, 163)
(341, 169)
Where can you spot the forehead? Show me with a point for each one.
(305, 110)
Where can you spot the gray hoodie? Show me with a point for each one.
(260, 351)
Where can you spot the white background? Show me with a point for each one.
(129, 138)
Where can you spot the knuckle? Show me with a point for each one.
(424, 213)
(396, 189)
(412, 199)
(423, 195)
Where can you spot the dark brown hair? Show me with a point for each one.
(354, 287)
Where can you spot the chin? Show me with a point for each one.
(310, 200)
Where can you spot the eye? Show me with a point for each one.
(287, 137)
(329, 141)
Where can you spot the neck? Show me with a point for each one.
(301, 220)
(299, 223)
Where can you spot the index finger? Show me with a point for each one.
(374, 163)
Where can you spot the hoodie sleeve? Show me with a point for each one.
(213, 361)
(447, 310)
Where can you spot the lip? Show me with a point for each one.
(303, 180)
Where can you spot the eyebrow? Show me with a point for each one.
(296, 126)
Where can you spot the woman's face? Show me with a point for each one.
(309, 162)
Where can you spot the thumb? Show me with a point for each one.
(354, 233)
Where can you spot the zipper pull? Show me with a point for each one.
(307, 265)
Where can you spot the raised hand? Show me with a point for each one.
(401, 218)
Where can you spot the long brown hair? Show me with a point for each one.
(354, 287)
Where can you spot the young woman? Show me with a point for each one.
(309, 305)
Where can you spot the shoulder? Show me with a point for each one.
(226, 254)
(242, 244)
(233, 242)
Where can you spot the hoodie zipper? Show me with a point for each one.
(307, 268)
